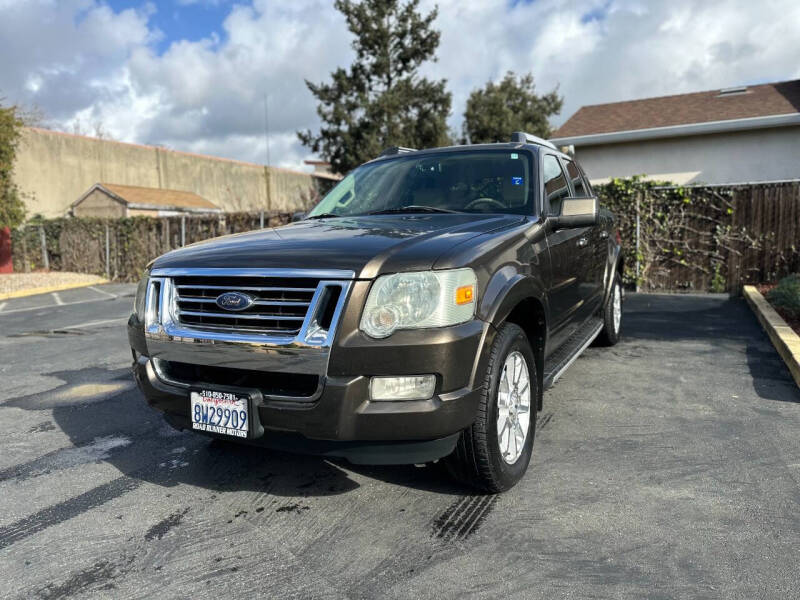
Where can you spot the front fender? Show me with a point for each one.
(506, 289)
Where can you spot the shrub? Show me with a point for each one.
(786, 294)
(12, 208)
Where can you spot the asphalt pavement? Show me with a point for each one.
(665, 467)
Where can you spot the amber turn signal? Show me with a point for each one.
(465, 294)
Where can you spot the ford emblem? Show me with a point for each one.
(234, 301)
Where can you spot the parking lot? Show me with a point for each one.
(665, 467)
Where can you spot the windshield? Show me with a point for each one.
(487, 181)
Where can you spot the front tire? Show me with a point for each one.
(612, 315)
(493, 454)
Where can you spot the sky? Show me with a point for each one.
(193, 75)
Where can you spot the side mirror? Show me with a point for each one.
(298, 216)
(577, 212)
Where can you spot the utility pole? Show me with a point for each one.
(266, 125)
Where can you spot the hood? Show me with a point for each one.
(367, 245)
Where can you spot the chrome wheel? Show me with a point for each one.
(617, 307)
(513, 407)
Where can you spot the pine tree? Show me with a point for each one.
(497, 110)
(381, 100)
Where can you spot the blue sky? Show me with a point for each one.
(180, 19)
(192, 74)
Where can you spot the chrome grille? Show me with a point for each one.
(285, 306)
(280, 304)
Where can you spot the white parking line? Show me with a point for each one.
(2, 306)
(57, 298)
(48, 306)
(119, 320)
(109, 294)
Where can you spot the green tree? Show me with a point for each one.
(12, 209)
(381, 100)
(499, 109)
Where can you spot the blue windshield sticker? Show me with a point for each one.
(516, 181)
(514, 155)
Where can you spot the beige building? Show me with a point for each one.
(109, 200)
(734, 135)
(52, 169)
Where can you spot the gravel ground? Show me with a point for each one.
(14, 282)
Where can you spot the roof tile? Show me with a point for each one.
(158, 197)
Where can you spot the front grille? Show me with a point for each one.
(280, 304)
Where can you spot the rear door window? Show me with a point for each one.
(555, 183)
(575, 177)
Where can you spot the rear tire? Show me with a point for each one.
(612, 315)
(486, 456)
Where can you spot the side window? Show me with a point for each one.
(555, 184)
(586, 180)
(576, 179)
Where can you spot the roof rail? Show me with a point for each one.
(526, 138)
(396, 150)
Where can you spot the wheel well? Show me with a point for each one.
(529, 314)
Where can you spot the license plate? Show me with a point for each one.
(220, 412)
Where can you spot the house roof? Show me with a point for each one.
(744, 104)
(153, 198)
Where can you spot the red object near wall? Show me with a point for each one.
(6, 265)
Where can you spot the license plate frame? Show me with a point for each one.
(222, 424)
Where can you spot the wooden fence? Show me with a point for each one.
(711, 238)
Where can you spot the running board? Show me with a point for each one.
(570, 350)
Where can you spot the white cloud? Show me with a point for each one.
(78, 59)
(636, 49)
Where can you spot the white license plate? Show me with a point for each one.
(220, 412)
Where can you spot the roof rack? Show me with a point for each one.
(396, 150)
(526, 138)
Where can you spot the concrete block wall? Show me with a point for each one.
(54, 169)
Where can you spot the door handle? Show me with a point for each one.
(583, 242)
(603, 235)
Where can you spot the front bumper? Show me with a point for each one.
(338, 419)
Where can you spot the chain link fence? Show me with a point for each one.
(119, 249)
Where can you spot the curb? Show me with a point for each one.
(783, 337)
(49, 289)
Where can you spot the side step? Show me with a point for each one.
(558, 362)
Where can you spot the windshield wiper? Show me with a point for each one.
(322, 216)
(412, 208)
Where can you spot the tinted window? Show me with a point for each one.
(586, 180)
(465, 181)
(577, 180)
(555, 184)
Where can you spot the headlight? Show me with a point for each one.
(418, 300)
(141, 296)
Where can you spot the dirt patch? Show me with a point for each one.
(18, 282)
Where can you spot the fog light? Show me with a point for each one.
(414, 387)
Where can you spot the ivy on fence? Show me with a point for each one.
(705, 238)
(121, 248)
